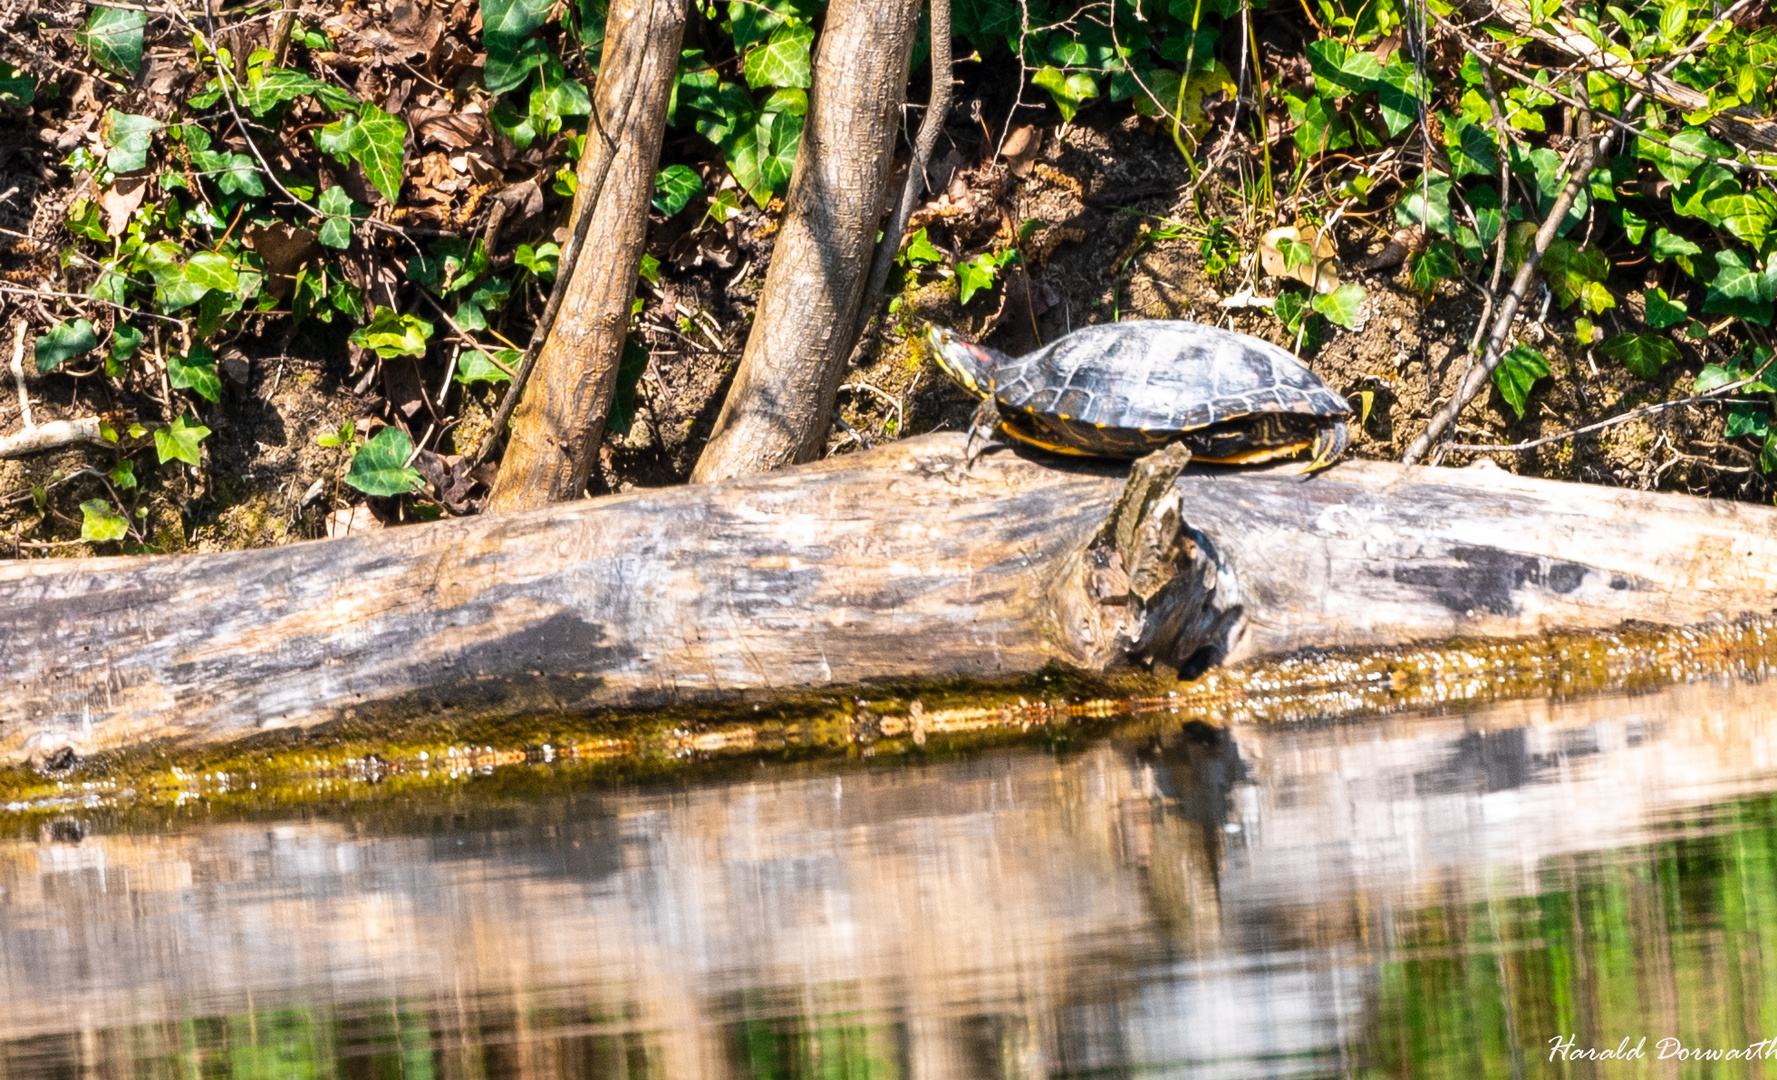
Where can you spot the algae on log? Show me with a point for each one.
(893, 564)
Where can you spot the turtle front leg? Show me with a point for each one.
(984, 427)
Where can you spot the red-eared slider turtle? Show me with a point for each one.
(1126, 389)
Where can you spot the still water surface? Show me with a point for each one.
(1416, 895)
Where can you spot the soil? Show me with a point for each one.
(1089, 206)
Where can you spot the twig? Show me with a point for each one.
(605, 154)
(937, 108)
(1632, 414)
(51, 436)
(18, 373)
(1477, 376)
(85, 299)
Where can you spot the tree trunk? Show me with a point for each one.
(559, 424)
(779, 408)
(894, 564)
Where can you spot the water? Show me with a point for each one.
(1417, 895)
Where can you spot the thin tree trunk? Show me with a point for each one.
(558, 426)
(777, 412)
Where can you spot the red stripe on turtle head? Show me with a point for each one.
(967, 364)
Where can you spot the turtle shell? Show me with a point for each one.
(1160, 378)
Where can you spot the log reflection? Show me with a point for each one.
(1425, 894)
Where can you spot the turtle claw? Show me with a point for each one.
(982, 430)
(1329, 443)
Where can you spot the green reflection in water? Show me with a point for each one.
(1673, 940)
(1674, 936)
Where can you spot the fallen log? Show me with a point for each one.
(893, 564)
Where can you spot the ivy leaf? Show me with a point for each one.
(1342, 305)
(491, 295)
(379, 467)
(777, 138)
(64, 342)
(509, 63)
(674, 188)
(1339, 70)
(381, 148)
(474, 367)
(754, 20)
(100, 523)
(1069, 92)
(1570, 267)
(1666, 245)
(1295, 253)
(195, 371)
(540, 261)
(629, 374)
(125, 340)
(1437, 263)
(127, 139)
(920, 252)
(1739, 290)
(1471, 149)
(234, 174)
(1745, 418)
(392, 335)
(1597, 299)
(783, 60)
(508, 21)
(1674, 163)
(17, 88)
(336, 229)
(277, 86)
(979, 273)
(179, 442)
(1662, 310)
(114, 38)
(1747, 216)
(1644, 354)
(212, 271)
(1428, 204)
(1318, 128)
(1400, 95)
(124, 475)
(1546, 166)
(1517, 372)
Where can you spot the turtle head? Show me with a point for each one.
(970, 365)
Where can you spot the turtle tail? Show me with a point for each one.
(1329, 442)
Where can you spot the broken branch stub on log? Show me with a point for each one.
(895, 564)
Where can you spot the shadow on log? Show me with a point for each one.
(894, 564)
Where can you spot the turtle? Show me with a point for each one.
(1124, 390)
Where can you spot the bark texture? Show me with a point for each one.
(778, 410)
(894, 564)
(561, 419)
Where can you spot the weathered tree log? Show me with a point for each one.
(893, 564)
(558, 427)
(779, 409)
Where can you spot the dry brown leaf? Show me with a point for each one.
(351, 521)
(451, 130)
(120, 201)
(283, 247)
(1021, 149)
(1321, 272)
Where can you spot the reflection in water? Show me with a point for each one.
(1428, 896)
